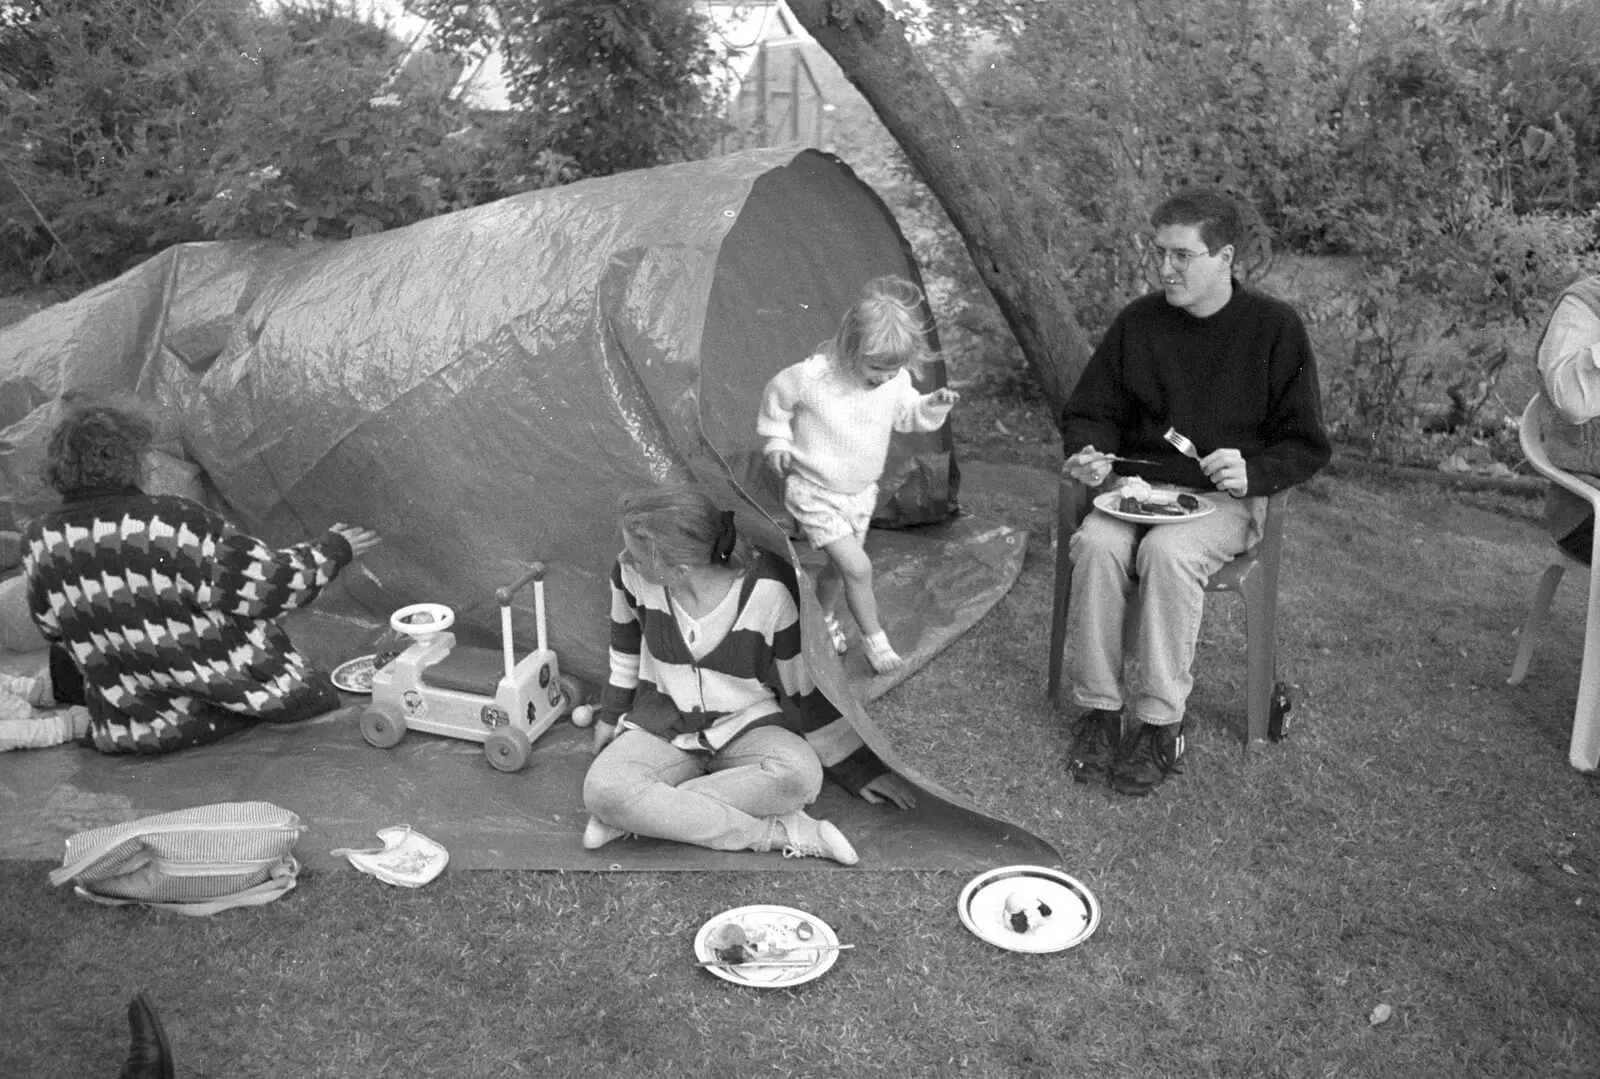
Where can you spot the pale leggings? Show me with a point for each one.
(645, 785)
(1147, 594)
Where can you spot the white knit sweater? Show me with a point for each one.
(836, 426)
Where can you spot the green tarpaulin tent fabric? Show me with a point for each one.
(482, 387)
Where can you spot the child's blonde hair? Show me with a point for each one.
(887, 321)
(683, 526)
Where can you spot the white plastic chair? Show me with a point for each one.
(1584, 753)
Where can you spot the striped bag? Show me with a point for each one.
(195, 861)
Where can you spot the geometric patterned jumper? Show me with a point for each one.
(170, 614)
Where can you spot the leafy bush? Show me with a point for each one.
(133, 124)
(104, 129)
(1448, 148)
(324, 144)
(609, 85)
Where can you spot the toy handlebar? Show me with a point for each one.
(535, 572)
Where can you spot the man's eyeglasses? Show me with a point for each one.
(1180, 259)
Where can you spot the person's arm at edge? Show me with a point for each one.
(1569, 360)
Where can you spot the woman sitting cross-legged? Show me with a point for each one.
(169, 613)
(711, 730)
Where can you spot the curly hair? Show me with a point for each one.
(97, 447)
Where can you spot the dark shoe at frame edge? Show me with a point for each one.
(149, 1055)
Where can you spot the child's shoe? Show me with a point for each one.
(800, 835)
(597, 833)
(881, 654)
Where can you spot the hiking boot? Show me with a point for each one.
(1095, 737)
(806, 837)
(1147, 757)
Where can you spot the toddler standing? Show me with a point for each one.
(826, 422)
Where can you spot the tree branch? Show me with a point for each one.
(36, 213)
(870, 47)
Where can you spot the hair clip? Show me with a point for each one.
(727, 536)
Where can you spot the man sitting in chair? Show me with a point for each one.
(1232, 370)
(1569, 367)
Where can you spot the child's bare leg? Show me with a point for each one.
(853, 565)
(828, 588)
(829, 583)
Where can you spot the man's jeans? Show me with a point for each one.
(1155, 610)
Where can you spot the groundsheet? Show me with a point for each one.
(934, 583)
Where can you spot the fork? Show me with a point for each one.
(1180, 443)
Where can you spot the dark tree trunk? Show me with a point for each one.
(868, 45)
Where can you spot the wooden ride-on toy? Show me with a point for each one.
(473, 693)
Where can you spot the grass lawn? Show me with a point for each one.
(1418, 842)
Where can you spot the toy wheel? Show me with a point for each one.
(439, 618)
(382, 729)
(507, 749)
(572, 693)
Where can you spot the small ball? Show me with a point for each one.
(583, 715)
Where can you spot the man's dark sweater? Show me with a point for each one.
(1243, 378)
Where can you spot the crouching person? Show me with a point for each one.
(170, 614)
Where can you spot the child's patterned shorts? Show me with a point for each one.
(826, 515)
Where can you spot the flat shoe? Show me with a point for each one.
(597, 833)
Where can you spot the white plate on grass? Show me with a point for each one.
(1073, 910)
(1107, 503)
(791, 947)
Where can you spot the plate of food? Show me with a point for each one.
(1028, 908)
(767, 946)
(1137, 501)
(355, 675)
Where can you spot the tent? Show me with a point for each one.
(482, 387)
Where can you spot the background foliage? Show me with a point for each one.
(1444, 155)
(129, 125)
